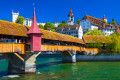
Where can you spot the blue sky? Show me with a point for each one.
(50, 10)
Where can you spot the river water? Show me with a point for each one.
(51, 68)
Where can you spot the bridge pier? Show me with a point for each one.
(69, 58)
(30, 63)
(16, 65)
(22, 64)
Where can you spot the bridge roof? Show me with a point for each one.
(94, 38)
(9, 28)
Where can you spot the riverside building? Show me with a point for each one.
(73, 30)
(89, 22)
(27, 22)
(109, 29)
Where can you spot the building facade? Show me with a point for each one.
(56, 24)
(41, 24)
(14, 16)
(73, 30)
(89, 22)
(28, 22)
(109, 29)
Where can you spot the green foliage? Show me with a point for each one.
(63, 24)
(114, 22)
(20, 20)
(53, 30)
(115, 43)
(78, 21)
(40, 26)
(94, 32)
(48, 25)
(63, 21)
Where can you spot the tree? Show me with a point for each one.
(48, 25)
(113, 22)
(78, 21)
(20, 20)
(63, 24)
(40, 26)
(94, 32)
(63, 21)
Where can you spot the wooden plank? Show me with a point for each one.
(12, 47)
(66, 48)
(19, 56)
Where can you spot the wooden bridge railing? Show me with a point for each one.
(12, 47)
(59, 48)
(20, 48)
(66, 48)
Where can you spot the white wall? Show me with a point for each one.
(93, 26)
(80, 32)
(41, 23)
(85, 24)
(27, 22)
(108, 31)
(14, 16)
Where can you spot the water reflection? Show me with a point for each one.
(54, 69)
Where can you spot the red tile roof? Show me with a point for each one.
(93, 20)
(71, 26)
(34, 27)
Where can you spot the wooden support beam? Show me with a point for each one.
(38, 54)
(19, 56)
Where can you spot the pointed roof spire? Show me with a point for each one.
(104, 17)
(34, 27)
(70, 13)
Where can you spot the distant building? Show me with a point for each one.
(41, 23)
(28, 22)
(89, 22)
(14, 16)
(71, 18)
(56, 24)
(109, 29)
(105, 19)
(73, 30)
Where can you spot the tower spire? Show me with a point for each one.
(34, 27)
(35, 35)
(70, 13)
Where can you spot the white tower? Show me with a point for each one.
(71, 18)
(14, 16)
(105, 19)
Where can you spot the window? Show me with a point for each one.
(72, 28)
(65, 29)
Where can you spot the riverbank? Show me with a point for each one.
(98, 58)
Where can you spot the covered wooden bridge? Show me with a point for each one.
(14, 39)
(26, 43)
